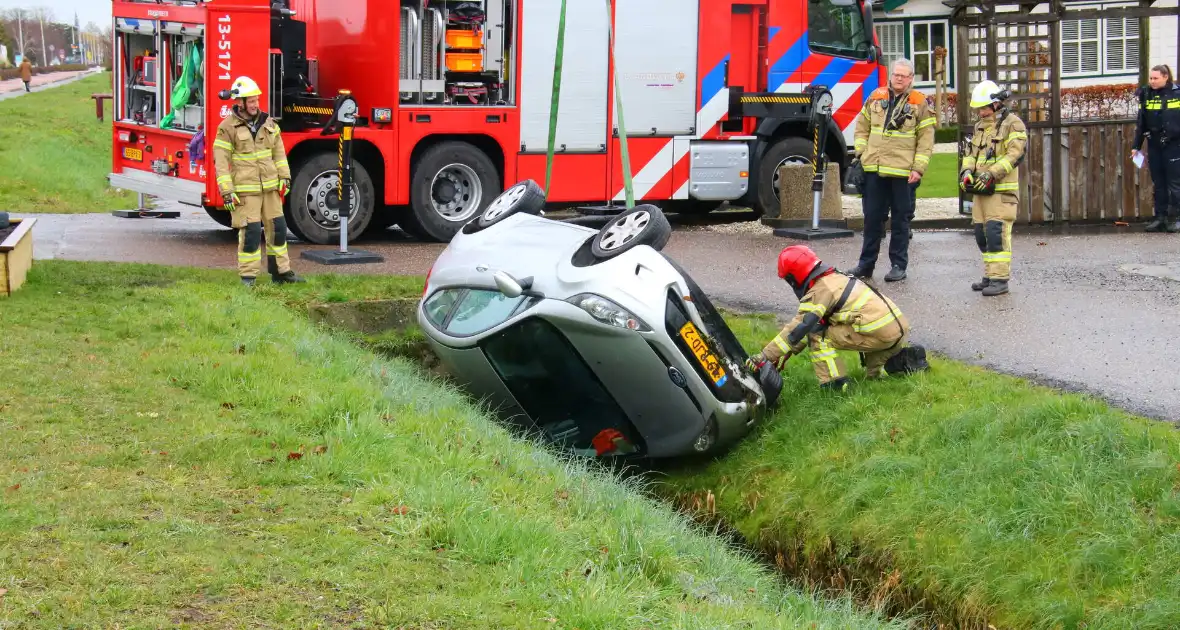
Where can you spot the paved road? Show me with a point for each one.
(1098, 313)
(13, 88)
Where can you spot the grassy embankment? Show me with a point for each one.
(54, 153)
(178, 449)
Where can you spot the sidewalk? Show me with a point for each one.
(41, 81)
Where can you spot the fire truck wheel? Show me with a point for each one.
(523, 197)
(785, 151)
(644, 224)
(220, 215)
(315, 201)
(452, 182)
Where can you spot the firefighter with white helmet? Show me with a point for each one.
(990, 173)
(253, 177)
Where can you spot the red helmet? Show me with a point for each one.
(795, 263)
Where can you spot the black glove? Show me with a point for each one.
(966, 180)
(985, 183)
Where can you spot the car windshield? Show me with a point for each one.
(555, 387)
(462, 312)
(837, 27)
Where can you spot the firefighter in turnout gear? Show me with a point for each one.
(990, 174)
(894, 140)
(1159, 121)
(253, 177)
(839, 312)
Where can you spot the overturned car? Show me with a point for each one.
(592, 338)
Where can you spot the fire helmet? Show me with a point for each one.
(795, 264)
(985, 93)
(244, 87)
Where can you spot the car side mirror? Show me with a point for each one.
(508, 285)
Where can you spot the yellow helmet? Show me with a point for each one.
(244, 87)
(984, 94)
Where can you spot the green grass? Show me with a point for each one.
(995, 500)
(941, 177)
(178, 449)
(54, 153)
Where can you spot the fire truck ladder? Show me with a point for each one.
(555, 105)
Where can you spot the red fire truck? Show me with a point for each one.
(460, 108)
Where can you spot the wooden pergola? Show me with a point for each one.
(1017, 44)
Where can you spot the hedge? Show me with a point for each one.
(14, 73)
(1091, 102)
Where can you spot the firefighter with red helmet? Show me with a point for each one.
(253, 177)
(839, 312)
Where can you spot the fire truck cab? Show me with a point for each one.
(456, 100)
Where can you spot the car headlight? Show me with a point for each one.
(608, 312)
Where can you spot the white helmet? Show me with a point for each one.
(985, 93)
(244, 87)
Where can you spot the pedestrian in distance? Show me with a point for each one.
(894, 141)
(839, 312)
(990, 173)
(1159, 122)
(26, 73)
(253, 177)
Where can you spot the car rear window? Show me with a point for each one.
(461, 312)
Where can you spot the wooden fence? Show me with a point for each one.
(1099, 182)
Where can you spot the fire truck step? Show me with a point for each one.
(146, 214)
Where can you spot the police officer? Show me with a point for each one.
(894, 140)
(1159, 120)
(989, 173)
(253, 177)
(838, 312)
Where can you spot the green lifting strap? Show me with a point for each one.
(556, 100)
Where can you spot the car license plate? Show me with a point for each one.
(133, 154)
(700, 350)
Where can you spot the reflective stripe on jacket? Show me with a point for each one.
(998, 150)
(248, 161)
(895, 135)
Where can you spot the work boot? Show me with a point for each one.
(981, 285)
(1156, 225)
(895, 274)
(286, 278)
(841, 384)
(860, 271)
(1172, 225)
(248, 281)
(996, 287)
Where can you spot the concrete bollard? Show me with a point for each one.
(796, 198)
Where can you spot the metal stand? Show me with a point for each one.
(821, 114)
(345, 118)
(141, 212)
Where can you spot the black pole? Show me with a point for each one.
(821, 116)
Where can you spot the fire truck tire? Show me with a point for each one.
(314, 190)
(644, 224)
(220, 215)
(524, 197)
(784, 151)
(452, 182)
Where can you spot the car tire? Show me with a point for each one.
(766, 201)
(524, 197)
(316, 181)
(221, 216)
(644, 224)
(452, 182)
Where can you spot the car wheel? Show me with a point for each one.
(524, 197)
(644, 224)
(315, 201)
(452, 182)
(220, 215)
(785, 151)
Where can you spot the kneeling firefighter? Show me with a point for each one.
(253, 177)
(989, 173)
(839, 312)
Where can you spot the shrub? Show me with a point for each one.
(1090, 102)
(14, 73)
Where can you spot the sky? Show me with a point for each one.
(97, 11)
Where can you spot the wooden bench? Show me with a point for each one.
(98, 101)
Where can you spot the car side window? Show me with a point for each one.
(481, 309)
(439, 305)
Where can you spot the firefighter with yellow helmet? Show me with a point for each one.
(990, 174)
(253, 177)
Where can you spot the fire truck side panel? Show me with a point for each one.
(357, 45)
(656, 62)
(582, 119)
(494, 129)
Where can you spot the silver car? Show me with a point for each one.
(592, 338)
